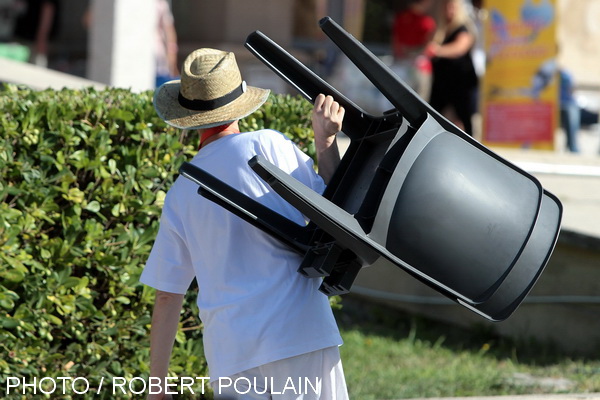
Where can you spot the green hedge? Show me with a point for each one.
(83, 176)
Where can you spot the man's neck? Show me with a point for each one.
(209, 135)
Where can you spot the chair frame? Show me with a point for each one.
(336, 243)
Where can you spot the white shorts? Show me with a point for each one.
(312, 376)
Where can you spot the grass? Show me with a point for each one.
(388, 354)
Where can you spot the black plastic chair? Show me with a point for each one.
(412, 189)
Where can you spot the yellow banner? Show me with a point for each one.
(519, 93)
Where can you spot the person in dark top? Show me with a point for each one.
(36, 26)
(454, 82)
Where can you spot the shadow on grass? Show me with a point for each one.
(380, 320)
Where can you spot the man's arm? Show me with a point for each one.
(165, 320)
(327, 120)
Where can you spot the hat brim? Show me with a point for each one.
(167, 107)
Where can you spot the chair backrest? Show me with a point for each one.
(529, 266)
(455, 213)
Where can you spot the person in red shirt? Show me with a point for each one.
(413, 28)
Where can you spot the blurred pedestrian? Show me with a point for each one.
(455, 82)
(166, 44)
(573, 115)
(36, 26)
(9, 10)
(570, 114)
(412, 30)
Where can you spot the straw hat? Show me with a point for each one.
(211, 92)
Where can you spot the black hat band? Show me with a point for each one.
(207, 105)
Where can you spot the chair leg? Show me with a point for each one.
(341, 279)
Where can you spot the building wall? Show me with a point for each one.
(579, 39)
(219, 21)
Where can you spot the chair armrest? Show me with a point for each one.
(325, 214)
(250, 210)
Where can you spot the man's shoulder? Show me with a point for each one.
(266, 133)
(264, 136)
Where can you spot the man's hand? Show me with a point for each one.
(327, 117)
(327, 120)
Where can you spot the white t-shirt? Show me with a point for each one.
(255, 306)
